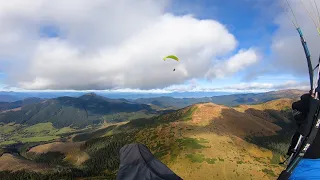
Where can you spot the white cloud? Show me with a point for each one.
(110, 45)
(248, 86)
(238, 62)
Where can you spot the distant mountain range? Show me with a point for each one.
(5, 97)
(92, 109)
(175, 99)
(17, 104)
(89, 109)
(227, 100)
(10, 96)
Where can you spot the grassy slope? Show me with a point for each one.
(279, 113)
(37, 133)
(13, 163)
(72, 151)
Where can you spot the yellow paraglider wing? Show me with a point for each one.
(171, 57)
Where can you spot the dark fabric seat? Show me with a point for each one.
(138, 163)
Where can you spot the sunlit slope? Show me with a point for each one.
(14, 133)
(72, 151)
(221, 119)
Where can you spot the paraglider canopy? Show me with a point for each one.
(171, 57)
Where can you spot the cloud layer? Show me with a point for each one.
(80, 44)
(269, 86)
(241, 87)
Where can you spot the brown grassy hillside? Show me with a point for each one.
(221, 119)
(71, 150)
(12, 163)
(272, 111)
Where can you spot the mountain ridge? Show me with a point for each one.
(70, 111)
(228, 100)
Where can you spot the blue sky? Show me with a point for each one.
(248, 20)
(85, 45)
(49, 31)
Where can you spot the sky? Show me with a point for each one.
(223, 45)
